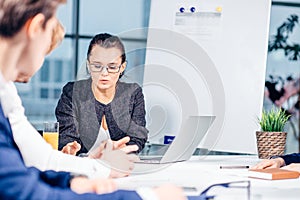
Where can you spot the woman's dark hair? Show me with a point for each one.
(14, 14)
(106, 40)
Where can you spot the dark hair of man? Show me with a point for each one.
(15, 13)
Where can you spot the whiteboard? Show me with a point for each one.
(207, 57)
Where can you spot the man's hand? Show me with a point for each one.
(99, 186)
(123, 167)
(169, 192)
(117, 155)
(272, 163)
(120, 162)
(71, 148)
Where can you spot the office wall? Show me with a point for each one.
(207, 58)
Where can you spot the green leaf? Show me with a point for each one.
(273, 120)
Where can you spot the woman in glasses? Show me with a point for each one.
(28, 31)
(102, 107)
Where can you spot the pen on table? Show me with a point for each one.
(234, 167)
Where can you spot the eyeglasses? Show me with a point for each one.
(236, 184)
(99, 68)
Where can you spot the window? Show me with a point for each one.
(282, 74)
(41, 94)
(44, 94)
(44, 77)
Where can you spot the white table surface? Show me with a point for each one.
(202, 171)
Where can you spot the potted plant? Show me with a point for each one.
(271, 139)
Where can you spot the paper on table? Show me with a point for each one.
(102, 136)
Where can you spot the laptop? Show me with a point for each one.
(185, 143)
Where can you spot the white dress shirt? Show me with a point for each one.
(36, 152)
(34, 149)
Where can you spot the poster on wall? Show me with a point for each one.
(207, 58)
(283, 68)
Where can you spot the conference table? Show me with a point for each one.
(200, 172)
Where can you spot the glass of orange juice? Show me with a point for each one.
(50, 133)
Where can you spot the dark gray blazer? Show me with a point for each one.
(80, 114)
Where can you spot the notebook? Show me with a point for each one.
(185, 143)
(272, 174)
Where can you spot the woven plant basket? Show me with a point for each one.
(270, 143)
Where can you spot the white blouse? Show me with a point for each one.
(34, 149)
